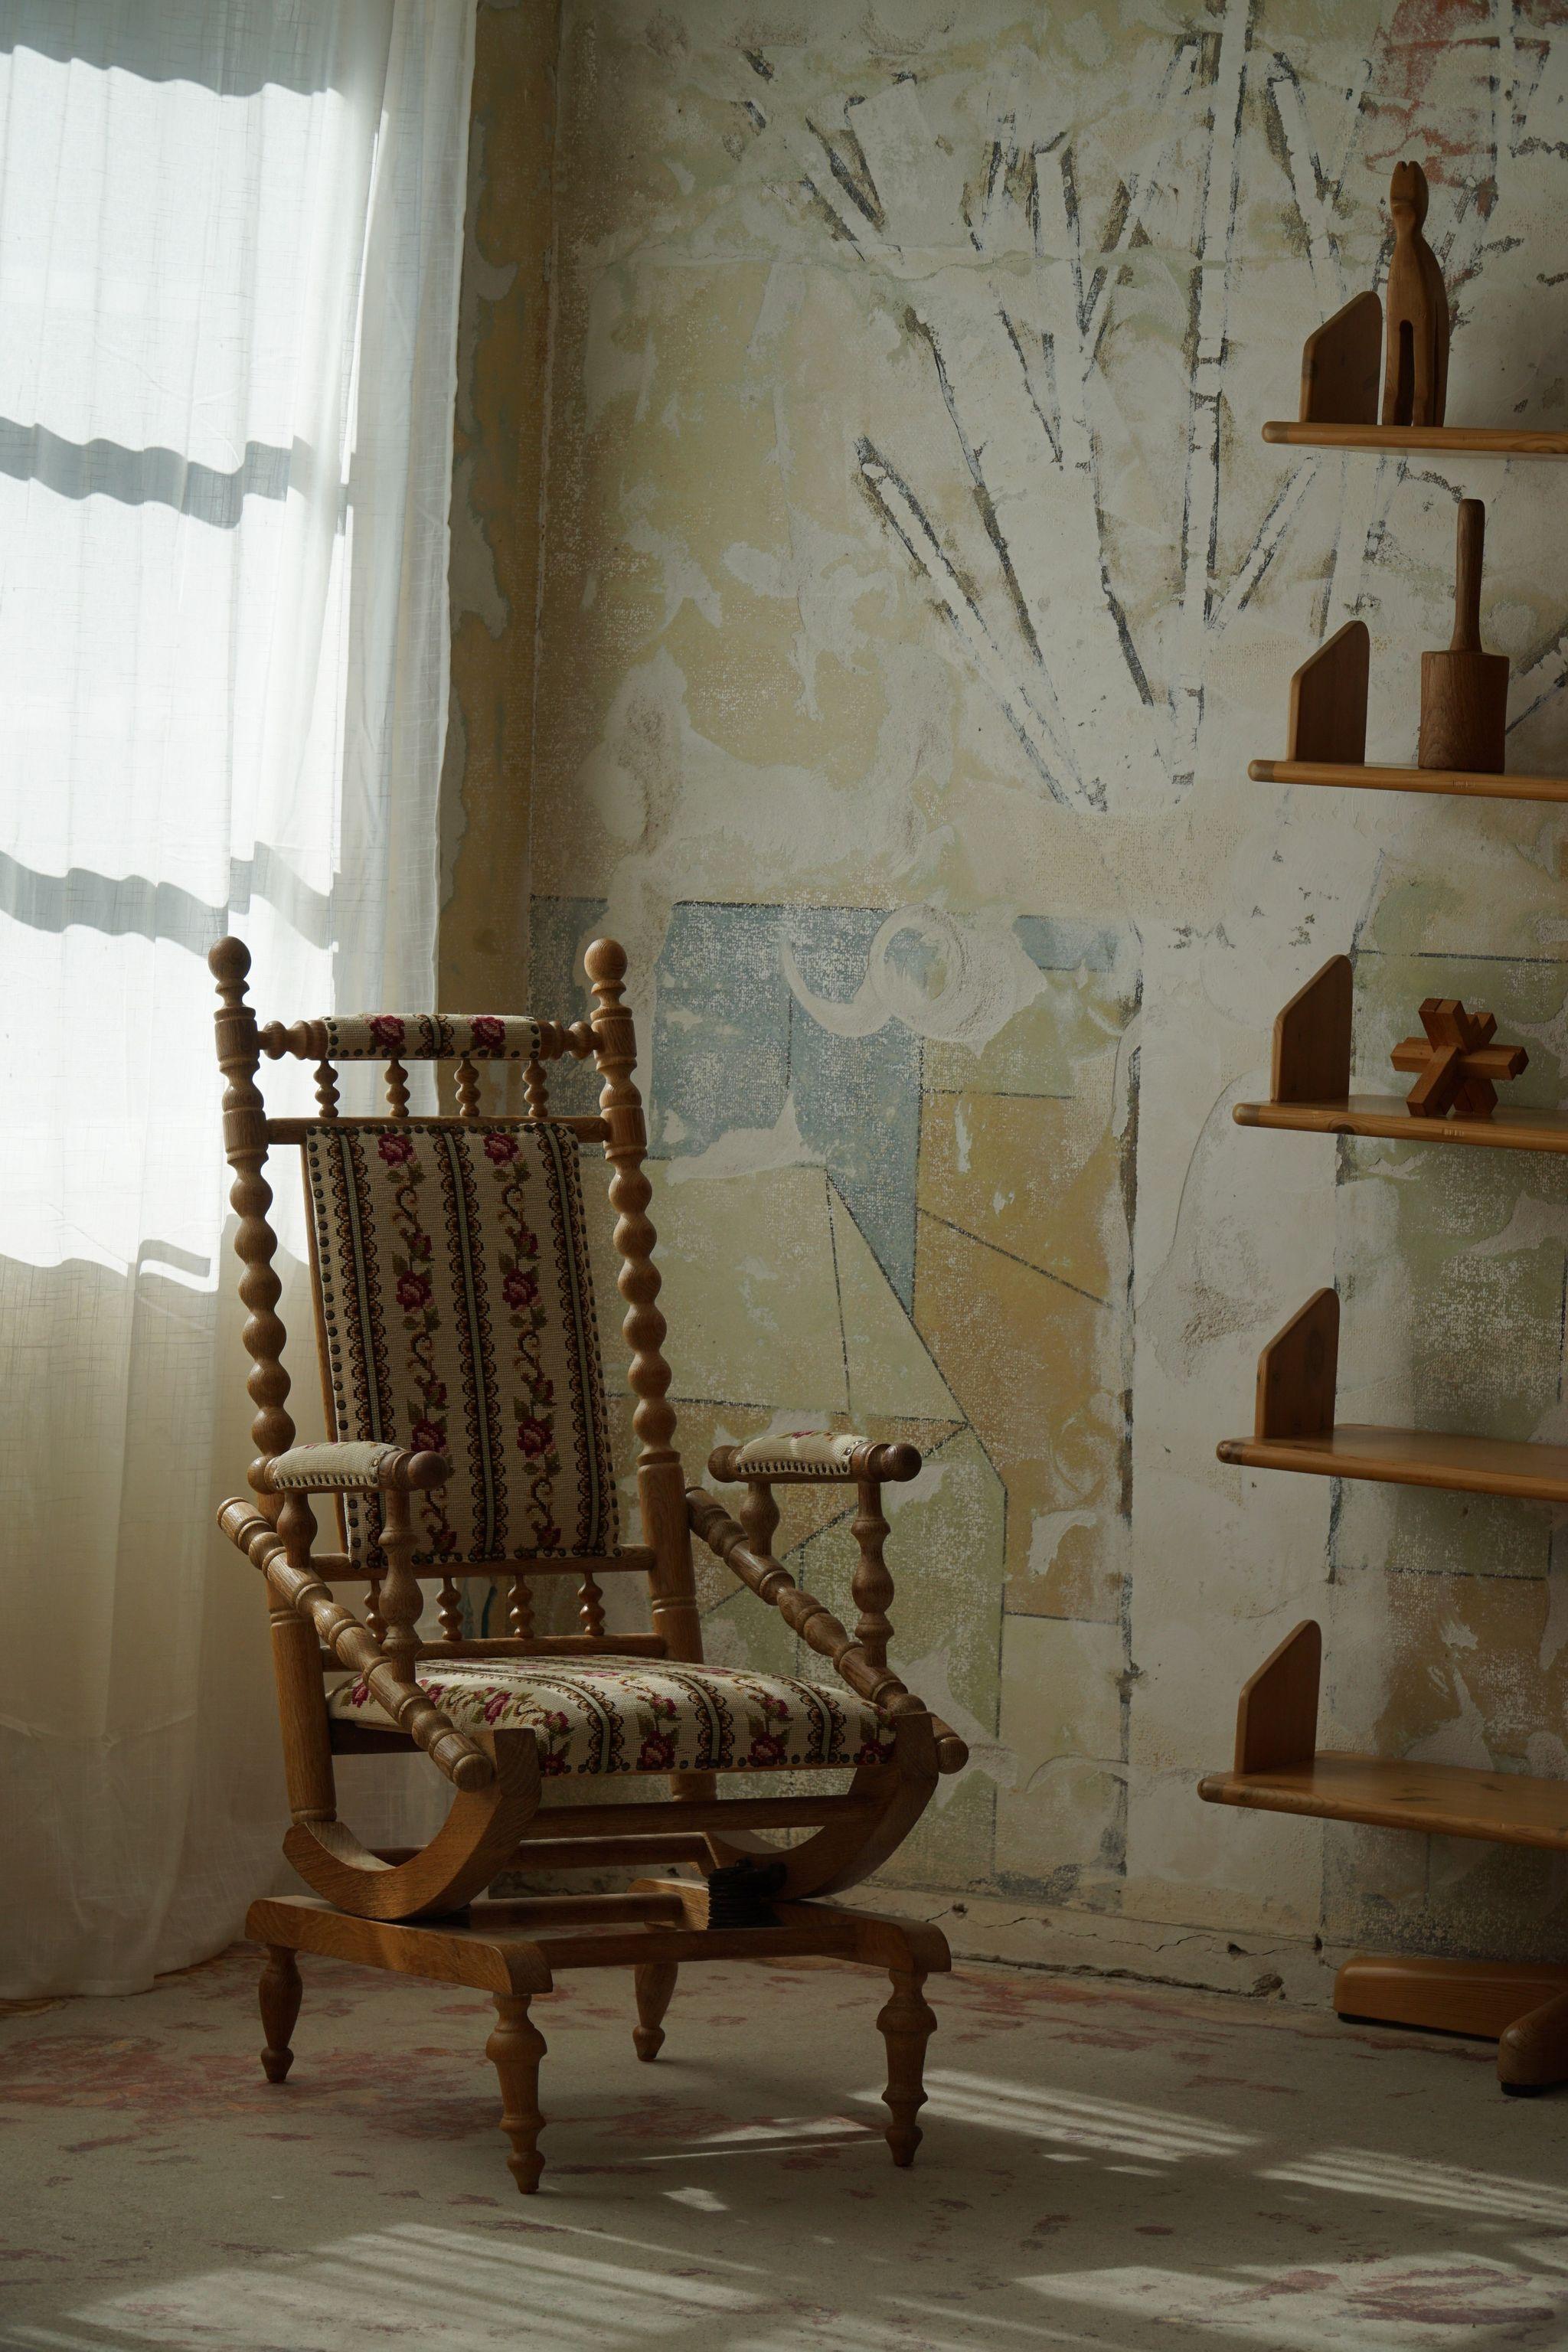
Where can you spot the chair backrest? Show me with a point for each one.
(455, 1310)
(453, 1296)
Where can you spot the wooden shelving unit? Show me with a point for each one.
(1278, 1767)
(1356, 775)
(1309, 1085)
(1412, 1457)
(1327, 736)
(1339, 410)
(1456, 440)
(1294, 1429)
(1385, 1116)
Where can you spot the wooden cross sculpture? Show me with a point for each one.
(1458, 1062)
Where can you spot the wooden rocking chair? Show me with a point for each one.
(460, 1360)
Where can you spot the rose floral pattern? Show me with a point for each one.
(621, 1714)
(457, 1318)
(413, 1286)
(533, 1393)
(423, 1037)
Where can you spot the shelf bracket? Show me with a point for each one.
(1312, 1039)
(1276, 1714)
(1327, 700)
(1298, 1373)
(1340, 365)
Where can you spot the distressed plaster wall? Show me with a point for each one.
(496, 493)
(917, 588)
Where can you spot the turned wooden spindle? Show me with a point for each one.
(515, 2049)
(401, 1599)
(537, 1087)
(660, 1481)
(326, 1089)
(352, 1644)
(872, 1585)
(591, 1606)
(520, 1612)
(397, 1088)
(467, 1089)
(372, 1616)
(812, 1619)
(245, 1143)
(449, 1609)
(630, 1193)
(297, 1668)
(815, 1622)
(759, 1515)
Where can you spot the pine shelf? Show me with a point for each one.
(1508, 1129)
(1356, 775)
(1310, 1076)
(1279, 1769)
(1294, 1429)
(1457, 440)
(1436, 1800)
(1326, 738)
(1342, 383)
(1461, 1465)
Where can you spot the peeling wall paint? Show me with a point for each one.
(497, 494)
(917, 588)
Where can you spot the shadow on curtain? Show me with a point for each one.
(230, 241)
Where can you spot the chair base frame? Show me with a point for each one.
(511, 1949)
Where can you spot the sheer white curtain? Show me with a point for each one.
(230, 238)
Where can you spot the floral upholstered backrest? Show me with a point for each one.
(457, 1315)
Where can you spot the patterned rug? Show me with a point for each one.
(1104, 2166)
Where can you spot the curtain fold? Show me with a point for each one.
(230, 245)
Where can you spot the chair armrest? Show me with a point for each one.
(813, 1457)
(861, 1664)
(350, 1469)
(464, 1762)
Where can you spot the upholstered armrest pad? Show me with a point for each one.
(814, 1455)
(352, 1469)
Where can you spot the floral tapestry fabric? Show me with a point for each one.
(317, 1469)
(426, 1037)
(457, 1315)
(816, 1449)
(620, 1715)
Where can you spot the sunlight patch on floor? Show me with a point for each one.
(1111, 2125)
(1357, 2172)
(1373, 2306)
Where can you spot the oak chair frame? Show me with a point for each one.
(415, 1911)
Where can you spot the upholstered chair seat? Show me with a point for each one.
(620, 1715)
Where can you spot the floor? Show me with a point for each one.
(1104, 2165)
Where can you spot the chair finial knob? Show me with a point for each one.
(604, 962)
(228, 960)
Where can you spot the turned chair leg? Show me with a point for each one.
(280, 1992)
(655, 1982)
(514, 2049)
(906, 2024)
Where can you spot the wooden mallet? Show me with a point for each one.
(1464, 692)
